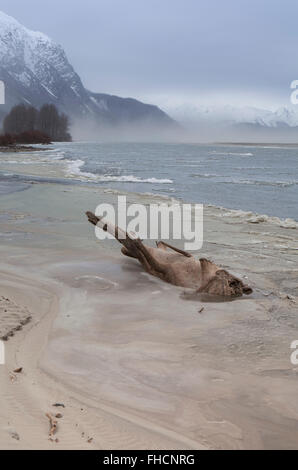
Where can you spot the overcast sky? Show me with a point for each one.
(213, 51)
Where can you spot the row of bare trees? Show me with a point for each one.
(47, 120)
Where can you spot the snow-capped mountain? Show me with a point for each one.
(35, 71)
(224, 123)
(241, 124)
(230, 115)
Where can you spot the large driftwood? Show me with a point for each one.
(174, 265)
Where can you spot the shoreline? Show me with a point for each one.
(248, 216)
(187, 371)
(21, 148)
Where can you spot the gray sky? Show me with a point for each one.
(239, 51)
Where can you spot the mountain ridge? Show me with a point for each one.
(36, 71)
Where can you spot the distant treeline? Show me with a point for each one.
(28, 137)
(47, 121)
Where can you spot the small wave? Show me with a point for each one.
(154, 197)
(57, 156)
(206, 175)
(253, 218)
(241, 168)
(236, 154)
(26, 162)
(282, 184)
(134, 179)
(74, 170)
(157, 196)
(245, 182)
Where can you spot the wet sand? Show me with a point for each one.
(136, 362)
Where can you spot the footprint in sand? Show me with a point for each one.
(12, 318)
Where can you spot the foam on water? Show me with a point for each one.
(74, 169)
(253, 218)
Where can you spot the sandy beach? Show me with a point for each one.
(148, 229)
(138, 363)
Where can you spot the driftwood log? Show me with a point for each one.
(174, 265)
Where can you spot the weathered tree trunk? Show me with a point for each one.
(132, 247)
(177, 267)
